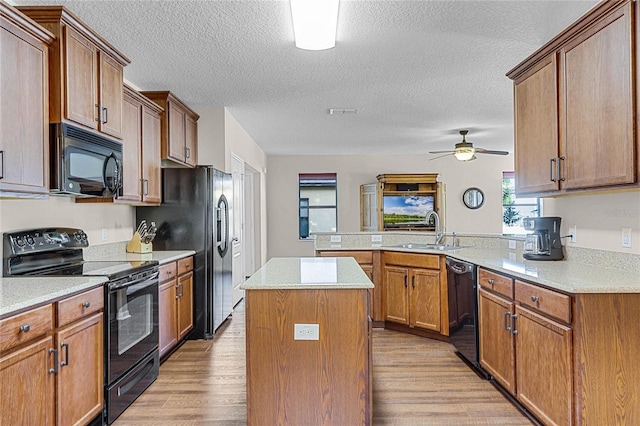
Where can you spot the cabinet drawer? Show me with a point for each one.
(185, 265)
(430, 261)
(362, 257)
(550, 302)
(496, 282)
(25, 326)
(79, 306)
(167, 272)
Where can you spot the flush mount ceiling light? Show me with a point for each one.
(315, 23)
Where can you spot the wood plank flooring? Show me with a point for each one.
(416, 381)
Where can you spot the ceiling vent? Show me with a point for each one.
(342, 111)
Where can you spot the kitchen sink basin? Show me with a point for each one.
(442, 247)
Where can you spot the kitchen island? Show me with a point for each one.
(308, 343)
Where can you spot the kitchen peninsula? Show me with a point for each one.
(308, 342)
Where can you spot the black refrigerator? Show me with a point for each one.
(195, 214)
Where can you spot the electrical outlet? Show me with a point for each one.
(336, 238)
(512, 244)
(573, 231)
(626, 237)
(376, 238)
(104, 234)
(306, 332)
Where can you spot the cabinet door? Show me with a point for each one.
(80, 91)
(24, 121)
(424, 311)
(497, 345)
(191, 141)
(536, 129)
(396, 294)
(80, 386)
(111, 81)
(599, 126)
(131, 152)
(177, 141)
(167, 324)
(544, 367)
(185, 304)
(151, 156)
(28, 394)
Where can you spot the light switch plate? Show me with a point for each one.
(104, 234)
(306, 331)
(626, 237)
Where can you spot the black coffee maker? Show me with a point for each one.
(544, 242)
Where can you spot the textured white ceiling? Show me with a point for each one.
(417, 71)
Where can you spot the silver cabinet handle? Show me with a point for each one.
(99, 118)
(66, 354)
(24, 328)
(187, 152)
(144, 190)
(105, 110)
(535, 298)
(561, 176)
(490, 281)
(86, 304)
(513, 324)
(55, 361)
(551, 178)
(2, 165)
(507, 316)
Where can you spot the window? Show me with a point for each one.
(514, 209)
(317, 205)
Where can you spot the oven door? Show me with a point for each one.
(132, 324)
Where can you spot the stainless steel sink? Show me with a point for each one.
(442, 247)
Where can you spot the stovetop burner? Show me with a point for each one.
(58, 252)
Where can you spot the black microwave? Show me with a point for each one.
(84, 164)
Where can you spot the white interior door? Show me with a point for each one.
(237, 173)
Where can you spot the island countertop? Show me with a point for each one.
(291, 273)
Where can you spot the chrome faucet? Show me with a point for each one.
(439, 233)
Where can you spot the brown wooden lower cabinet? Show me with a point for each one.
(53, 376)
(175, 303)
(315, 382)
(415, 291)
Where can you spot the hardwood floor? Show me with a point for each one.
(416, 381)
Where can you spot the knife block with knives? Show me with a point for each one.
(141, 240)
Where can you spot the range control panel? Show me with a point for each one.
(44, 239)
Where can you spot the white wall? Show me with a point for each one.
(599, 219)
(211, 150)
(353, 171)
(63, 211)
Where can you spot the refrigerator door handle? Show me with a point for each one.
(222, 237)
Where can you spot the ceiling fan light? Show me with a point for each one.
(464, 154)
(315, 23)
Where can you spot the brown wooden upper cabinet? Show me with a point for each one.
(24, 116)
(86, 72)
(179, 129)
(141, 150)
(576, 106)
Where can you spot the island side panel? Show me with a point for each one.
(297, 382)
(607, 376)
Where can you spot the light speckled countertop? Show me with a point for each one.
(293, 273)
(563, 275)
(21, 293)
(18, 294)
(161, 256)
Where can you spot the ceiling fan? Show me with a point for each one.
(465, 151)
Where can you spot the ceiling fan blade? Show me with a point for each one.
(440, 156)
(488, 151)
(441, 152)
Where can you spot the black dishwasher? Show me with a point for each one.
(463, 311)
